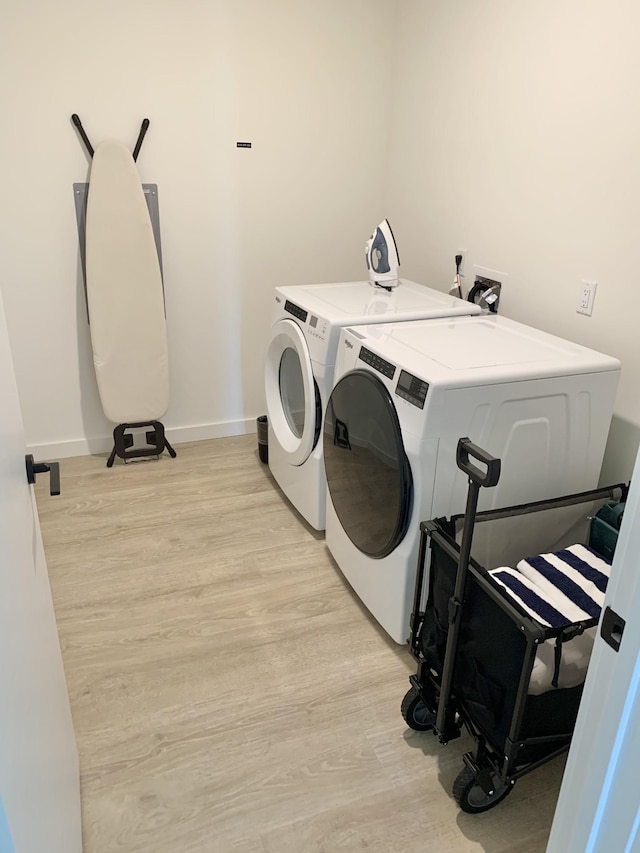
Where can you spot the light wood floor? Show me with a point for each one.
(229, 692)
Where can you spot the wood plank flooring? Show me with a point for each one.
(229, 692)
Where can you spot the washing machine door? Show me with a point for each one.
(368, 473)
(294, 408)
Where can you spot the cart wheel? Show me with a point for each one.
(471, 796)
(415, 713)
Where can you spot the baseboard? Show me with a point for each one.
(202, 432)
(176, 435)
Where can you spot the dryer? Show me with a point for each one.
(405, 393)
(306, 323)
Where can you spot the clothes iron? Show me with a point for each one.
(381, 253)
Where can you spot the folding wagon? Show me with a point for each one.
(502, 640)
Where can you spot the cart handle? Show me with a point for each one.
(487, 478)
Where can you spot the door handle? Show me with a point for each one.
(52, 468)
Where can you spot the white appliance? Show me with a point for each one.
(405, 393)
(306, 323)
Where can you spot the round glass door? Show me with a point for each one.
(368, 473)
(292, 394)
(292, 391)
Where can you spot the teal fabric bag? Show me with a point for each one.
(603, 532)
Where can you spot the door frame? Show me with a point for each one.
(597, 809)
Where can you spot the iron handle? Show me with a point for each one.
(52, 468)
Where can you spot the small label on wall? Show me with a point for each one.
(243, 145)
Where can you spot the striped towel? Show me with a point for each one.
(557, 590)
(530, 597)
(574, 579)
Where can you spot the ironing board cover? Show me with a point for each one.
(124, 292)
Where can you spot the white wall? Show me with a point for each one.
(516, 135)
(307, 83)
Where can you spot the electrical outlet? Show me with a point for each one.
(586, 297)
(462, 252)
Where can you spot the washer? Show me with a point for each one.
(405, 393)
(306, 323)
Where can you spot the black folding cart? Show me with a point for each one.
(476, 646)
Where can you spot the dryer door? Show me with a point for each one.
(367, 469)
(293, 400)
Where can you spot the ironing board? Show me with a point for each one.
(125, 300)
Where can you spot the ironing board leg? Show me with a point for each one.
(111, 459)
(123, 442)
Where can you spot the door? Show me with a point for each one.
(598, 810)
(294, 408)
(368, 473)
(39, 778)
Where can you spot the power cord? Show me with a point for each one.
(456, 282)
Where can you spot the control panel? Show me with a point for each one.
(318, 327)
(385, 367)
(294, 309)
(412, 389)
